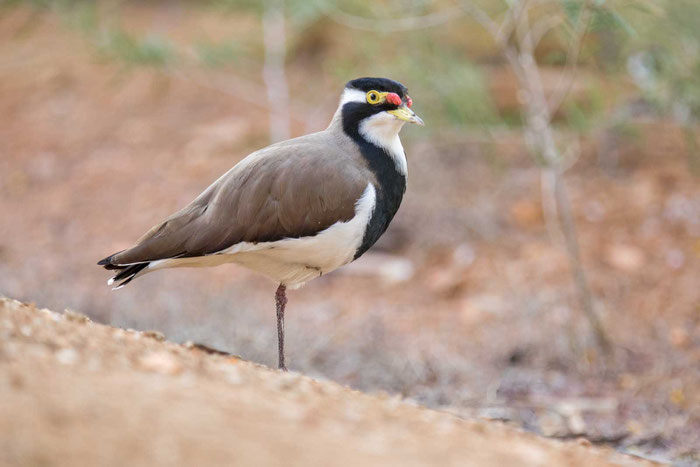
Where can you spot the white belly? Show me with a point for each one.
(294, 261)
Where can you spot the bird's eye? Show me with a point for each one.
(373, 97)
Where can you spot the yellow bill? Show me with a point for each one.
(407, 115)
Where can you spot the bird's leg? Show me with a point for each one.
(281, 301)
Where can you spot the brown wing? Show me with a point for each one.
(293, 189)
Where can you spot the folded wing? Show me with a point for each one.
(284, 191)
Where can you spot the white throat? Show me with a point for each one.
(382, 130)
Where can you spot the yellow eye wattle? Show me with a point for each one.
(373, 97)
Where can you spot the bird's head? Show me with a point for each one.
(376, 106)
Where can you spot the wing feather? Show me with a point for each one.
(294, 189)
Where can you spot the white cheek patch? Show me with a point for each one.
(382, 130)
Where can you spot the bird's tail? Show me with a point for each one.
(126, 273)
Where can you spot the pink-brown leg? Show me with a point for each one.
(281, 302)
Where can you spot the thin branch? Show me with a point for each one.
(572, 247)
(512, 20)
(505, 30)
(500, 33)
(511, 54)
(540, 132)
(481, 17)
(566, 81)
(522, 29)
(549, 207)
(540, 28)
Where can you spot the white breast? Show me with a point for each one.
(294, 261)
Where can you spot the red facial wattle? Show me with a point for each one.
(409, 101)
(393, 98)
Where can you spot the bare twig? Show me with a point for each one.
(539, 133)
(481, 17)
(566, 80)
(538, 121)
(572, 246)
(548, 181)
(507, 26)
(540, 28)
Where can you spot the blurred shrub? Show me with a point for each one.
(664, 61)
(453, 92)
(119, 45)
(664, 58)
(217, 54)
(656, 41)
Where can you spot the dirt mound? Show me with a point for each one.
(75, 392)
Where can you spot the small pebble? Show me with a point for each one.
(286, 381)
(160, 362)
(72, 315)
(157, 335)
(233, 375)
(67, 356)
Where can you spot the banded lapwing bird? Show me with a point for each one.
(297, 209)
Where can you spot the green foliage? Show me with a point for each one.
(83, 16)
(33, 3)
(665, 59)
(218, 54)
(462, 95)
(572, 9)
(49, 4)
(229, 6)
(302, 13)
(117, 44)
(386, 8)
(582, 114)
(610, 19)
(661, 37)
(111, 40)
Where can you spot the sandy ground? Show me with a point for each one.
(74, 392)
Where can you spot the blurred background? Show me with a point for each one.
(544, 268)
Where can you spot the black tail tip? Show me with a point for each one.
(127, 273)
